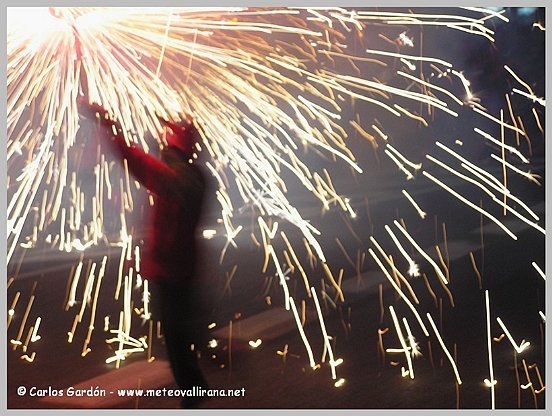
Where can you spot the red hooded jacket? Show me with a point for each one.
(179, 188)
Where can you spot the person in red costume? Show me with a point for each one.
(169, 258)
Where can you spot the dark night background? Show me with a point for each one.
(516, 290)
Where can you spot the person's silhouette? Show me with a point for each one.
(169, 259)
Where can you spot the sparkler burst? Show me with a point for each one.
(271, 90)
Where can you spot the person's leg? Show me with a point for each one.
(179, 306)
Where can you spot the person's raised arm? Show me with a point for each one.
(151, 172)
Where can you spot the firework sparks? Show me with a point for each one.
(522, 345)
(259, 91)
(445, 349)
(539, 270)
(399, 291)
(491, 381)
(407, 350)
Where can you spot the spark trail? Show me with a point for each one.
(275, 94)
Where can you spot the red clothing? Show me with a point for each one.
(179, 187)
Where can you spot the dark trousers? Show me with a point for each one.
(181, 309)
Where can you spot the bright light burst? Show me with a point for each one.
(262, 84)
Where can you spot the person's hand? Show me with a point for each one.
(88, 109)
(177, 127)
(183, 134)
